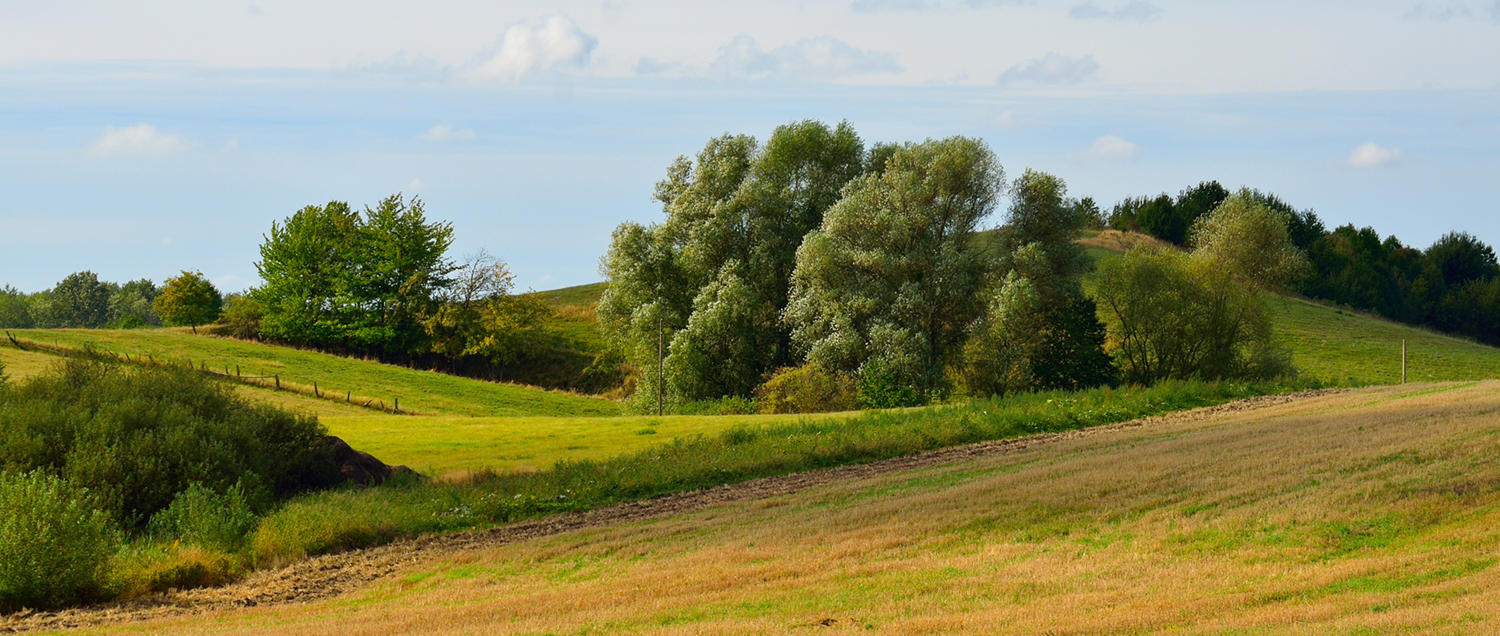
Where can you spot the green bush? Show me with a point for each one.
(880, 388)
(199, 516)
(54, 545)
(807, 389)
(135, 438)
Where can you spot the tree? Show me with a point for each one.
(131, 305)
(1461, 257)
(1173, 315)
(337, 279)
(188, 299)
(1038, 331)
(735, 216)
(887, 283)
(80, 300)
(15, 309)
(478, 317)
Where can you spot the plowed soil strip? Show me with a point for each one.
(335, 574)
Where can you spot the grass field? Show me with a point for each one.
(1368, 512)
(445, 445)
(422, 392)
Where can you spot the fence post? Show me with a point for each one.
(397, 409)
(278, 382)
(236, 370)
(1403, 360)
(315, 390)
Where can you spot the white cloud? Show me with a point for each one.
(142, 140)
(530, 48)
(813, 58)
(1052, 69)
(1371, 155)
(444, 132)
(1454, 11)
(416, 185)
(1111, 148)
(929, 6)
(1133, 12)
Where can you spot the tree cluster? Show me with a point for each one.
(867, 267)
(378, 282)
(1453, 285)
(82, 301)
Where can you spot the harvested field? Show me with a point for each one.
(330, 576)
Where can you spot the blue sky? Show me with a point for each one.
(140, 140)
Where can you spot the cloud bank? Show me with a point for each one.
(820, 58)
(141, 140)
(1133, 12)
(532, 48)
(1052, 69)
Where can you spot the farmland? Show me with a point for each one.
(1371, 511)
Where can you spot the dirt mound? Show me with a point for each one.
(361, 467)
(332, 575)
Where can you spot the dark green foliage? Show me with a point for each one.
(132, 306)
(54, 545)
(79, 300)
(202, 517)
(1072, 357)
(136, 437)
(1166, 218)
(15, 309)
(881, 388)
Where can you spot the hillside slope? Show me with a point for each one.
(421, 392)
(1369, 511)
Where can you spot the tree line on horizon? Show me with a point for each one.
(1453, 285)
(82, 301)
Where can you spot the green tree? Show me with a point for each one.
(735, 216)
(886, 285)
(479, 317)
(1202, 314)
(132, 305)
(15, 309)
(1039, 330)
(337, 279)
(80, 300)
(188, 299)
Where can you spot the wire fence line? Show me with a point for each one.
(233, 373)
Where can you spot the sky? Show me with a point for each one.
(145, 138)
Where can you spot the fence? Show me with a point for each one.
(271, 381)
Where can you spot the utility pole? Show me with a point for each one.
(1403, 360)
(662, 363)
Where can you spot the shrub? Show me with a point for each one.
(880, 388)
(199, 516)
(137, 437)
(807, 389)
(54, 545)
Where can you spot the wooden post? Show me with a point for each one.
(278, 382)
(236, 370)
(315, 390)
(1403, 360)
(348, 395)
(397, 409)
(660, 364)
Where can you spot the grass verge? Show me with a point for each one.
(352, 518)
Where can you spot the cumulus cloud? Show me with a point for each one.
(1455, 11)
(1052, 69)
(1371, 155)
(1133, 12)
(817, 58)
(142, 140)
(444, 132)
(531, 48)
(1111, 148)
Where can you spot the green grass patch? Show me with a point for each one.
(423, 392)
(439, 445)
(332, 521)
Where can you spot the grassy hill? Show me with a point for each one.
(420, 392)
(1372, 511)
